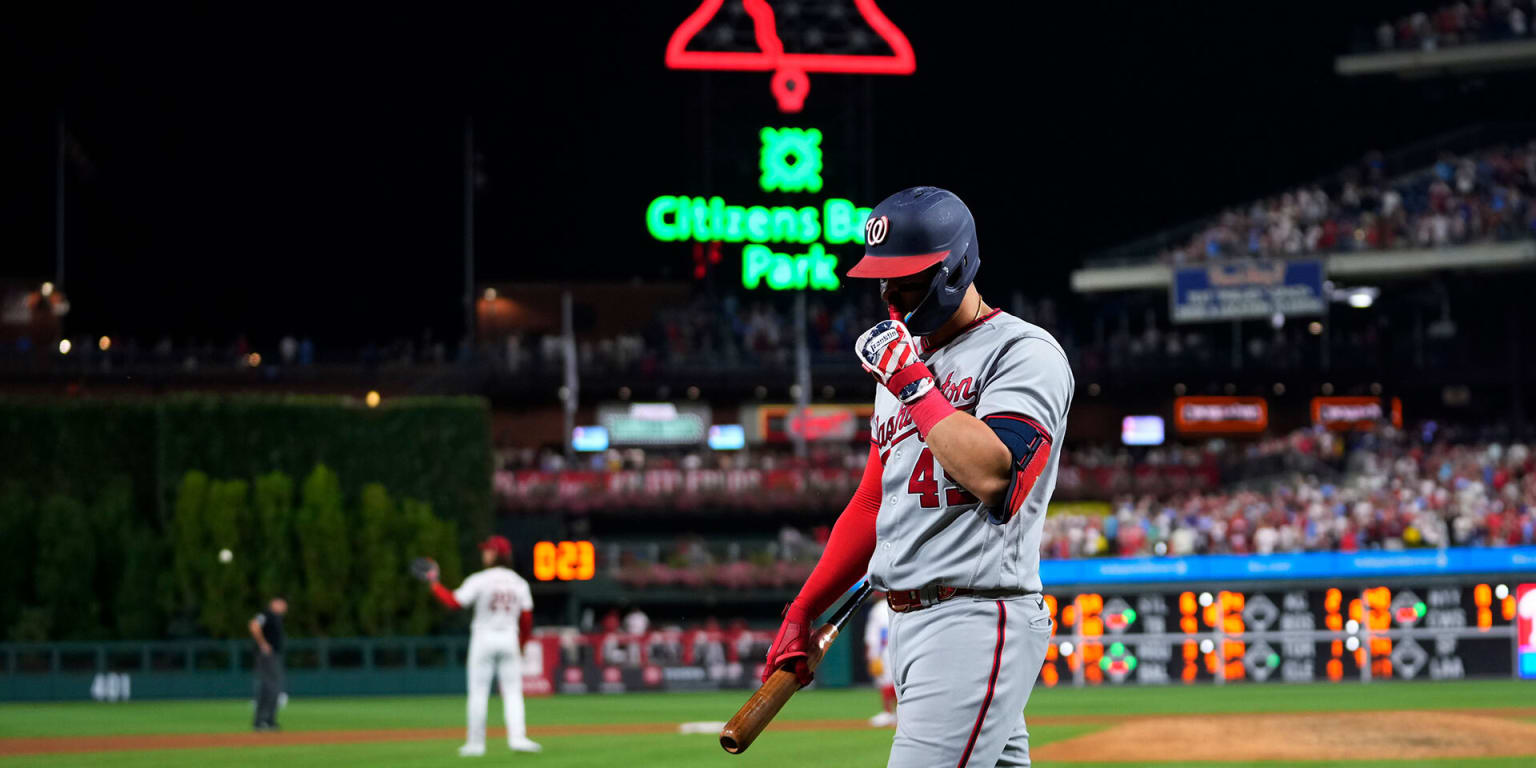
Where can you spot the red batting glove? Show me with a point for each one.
(890, 354)
(791, 645)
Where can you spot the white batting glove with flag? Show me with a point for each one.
(890, 354)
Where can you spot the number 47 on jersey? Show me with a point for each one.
(924, 484)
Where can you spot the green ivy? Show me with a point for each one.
(111, 521)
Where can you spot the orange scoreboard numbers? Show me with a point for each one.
(1048, 672)
(1378, 618)
(1090, 609)
(1332, 601)
(564, 561)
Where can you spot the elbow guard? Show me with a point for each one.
(1029, 446)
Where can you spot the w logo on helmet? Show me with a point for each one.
(876, 229)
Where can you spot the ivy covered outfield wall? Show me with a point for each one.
(91, 492)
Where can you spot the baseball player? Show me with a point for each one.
(970, 410)
(877, 653)
(503, 617)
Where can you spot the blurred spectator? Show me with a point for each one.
(636, 622)
(1483, 21)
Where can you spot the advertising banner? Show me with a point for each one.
(1247, 290)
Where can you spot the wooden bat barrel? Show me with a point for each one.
(763, 705)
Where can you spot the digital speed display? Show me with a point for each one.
(1443, 631)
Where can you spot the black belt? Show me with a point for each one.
(904, 600)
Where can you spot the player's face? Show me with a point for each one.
(905, 293)
(488, 557)
(279, 606)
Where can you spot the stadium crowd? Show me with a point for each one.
(1396, 491)
(1460, 23)
(1484, 195)
(1312, 490)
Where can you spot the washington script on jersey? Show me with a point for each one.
(961, 394)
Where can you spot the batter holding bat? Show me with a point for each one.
(970, 410)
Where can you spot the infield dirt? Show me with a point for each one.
(1411, 735)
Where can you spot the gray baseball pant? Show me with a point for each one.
(964, 669)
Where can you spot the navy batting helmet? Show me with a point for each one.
(912, 231)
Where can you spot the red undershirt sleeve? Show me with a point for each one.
(444, 596)
(850, 546)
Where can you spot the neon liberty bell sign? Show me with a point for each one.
(789, 161)
(825, 36)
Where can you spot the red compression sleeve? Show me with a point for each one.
(929, 410)
(849, 548)
(525, 626)
(444, 596)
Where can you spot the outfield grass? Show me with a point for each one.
(843, 749)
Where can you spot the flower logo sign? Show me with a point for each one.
(823, 36)
(790, 160)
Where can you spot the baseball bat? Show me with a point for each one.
(764, 704)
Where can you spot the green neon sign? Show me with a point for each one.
(815, 269)
(678, 218)
(790, 160)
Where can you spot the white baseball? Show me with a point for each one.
(226, 556)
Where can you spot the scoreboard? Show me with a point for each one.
(1263, 633)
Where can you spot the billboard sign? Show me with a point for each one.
(1220, 414)
(1247, 290)
(1345, 413)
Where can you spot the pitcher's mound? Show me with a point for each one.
(1300, 736)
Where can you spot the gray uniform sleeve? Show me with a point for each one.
(1031, 378)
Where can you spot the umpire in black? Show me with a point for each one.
(267, 630)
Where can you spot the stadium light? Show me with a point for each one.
(372, 398)
(104, 344)
(1359, 297)
(64, 346)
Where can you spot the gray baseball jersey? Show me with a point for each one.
(964, 668)
(930, 531)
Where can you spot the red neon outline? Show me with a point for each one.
(788, 67)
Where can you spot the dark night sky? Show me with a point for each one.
(266, 169)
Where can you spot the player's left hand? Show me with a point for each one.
(791, 646)
(890, 354)
(425, 569)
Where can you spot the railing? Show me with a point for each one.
(202, 668)
(554, 660)
(674, 490)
